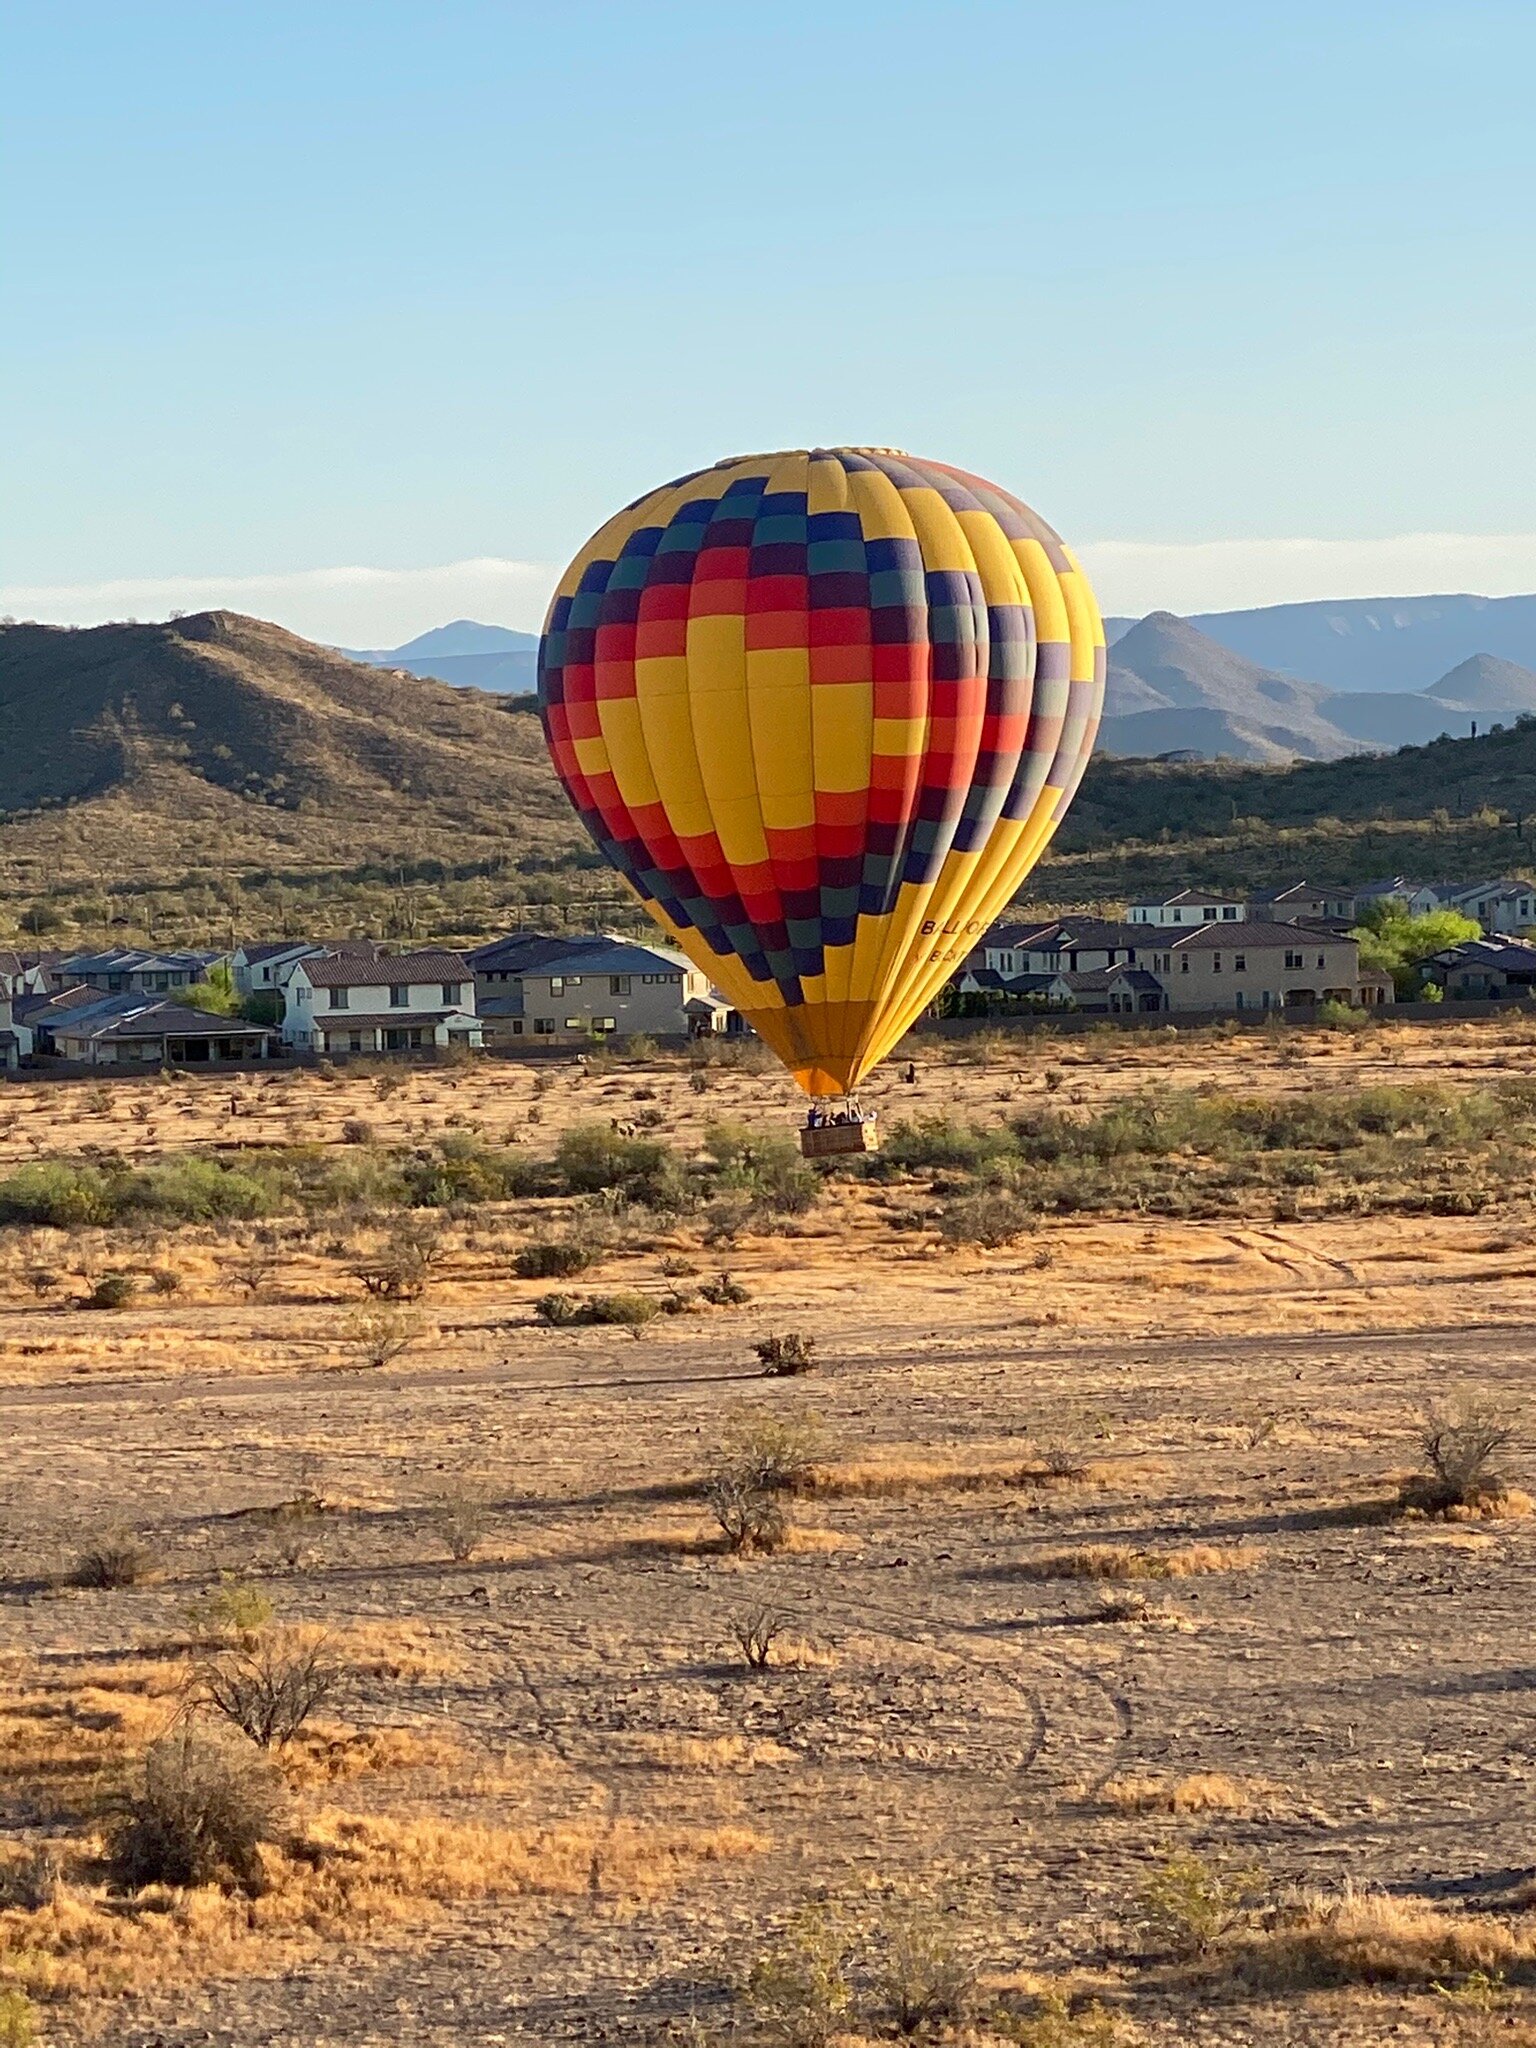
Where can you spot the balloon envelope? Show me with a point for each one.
(823, 709)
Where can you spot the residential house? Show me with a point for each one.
(20, 976)
(1116, 991)
(1506, 904)
(1003, 991)
(1186, 907)
(405, 1002)
(531, 987)
(263, 969)
(1302, 902)
(1485, 969)
(1256, 965)
(132, 1030)
(124, 969)
(1414, 897)
(1005, 949)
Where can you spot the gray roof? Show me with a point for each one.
(158, 1020)
(1250, 933)
(355, 970)
(527, 953)
(131, 960)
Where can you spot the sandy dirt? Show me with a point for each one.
(955, 1716)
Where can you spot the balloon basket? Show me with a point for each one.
(832, 1141)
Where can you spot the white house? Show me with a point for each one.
(344, 1002)
(1414, 897)
(262, 969)
(1506, 905)
(1186, 907)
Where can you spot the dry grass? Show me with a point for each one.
(1200, 1792)
(1361, 1937)
(1498, 1504)
(668, 1752)
(1121, 1561)
(333, 1754)
(893, 1475)
(347, 1876)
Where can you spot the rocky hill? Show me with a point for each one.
(218, 741)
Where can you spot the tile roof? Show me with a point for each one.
(1253, 934)
(351, 970)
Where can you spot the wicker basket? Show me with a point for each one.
(829, 1141)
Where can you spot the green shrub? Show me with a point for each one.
(765, 1165)
(786, 1356)
(112, 1290)
(799, 1986)
(555, 1258)
(595, 1159)
(630, 1312)
(991, 1218)
(18, 2020)
(724, 1292)
(51, 1191)
(1189, 1902)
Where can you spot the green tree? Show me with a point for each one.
(216, 992)
(1394, 941)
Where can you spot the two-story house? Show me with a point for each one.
(1506, 904)
(1302, 902)
(531, 987)
(1485, 969)
(1186, 907)
(124, 970)
(1259, 966)
(348, 1003)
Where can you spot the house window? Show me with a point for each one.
(557, 984)
(618, 984)
(1322, 960)
(1229, 910)
(543, 1027)
(341, 998)
(1215, 963)
(1293, 960)
(355, 1041)
(606, 1024)
(573, 981)
(1184, 963)
(1241, 1001)
(573, 1023)
(399, 996)
(1240, 965)
(452, 992)
(1209, 916)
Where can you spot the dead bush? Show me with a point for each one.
(460, 1516)
(752, 1520)
(207, 1801)
(118, 1559)
(755, 1630)
(1458, 1438)
(18, 2020)
(378, 1336)
(271, 1688)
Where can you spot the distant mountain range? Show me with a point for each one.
(1297, 681)
(1174, 688)
(1373, 643)
(463, 652)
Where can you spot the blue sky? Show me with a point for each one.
(364, 314)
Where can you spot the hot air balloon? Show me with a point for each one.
(823, 710)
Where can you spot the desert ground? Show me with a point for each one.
(1121, 1675)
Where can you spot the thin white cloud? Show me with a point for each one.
(347, 607)
(361, 607)
(1134, 577)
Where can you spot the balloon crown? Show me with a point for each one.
(773, 454)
